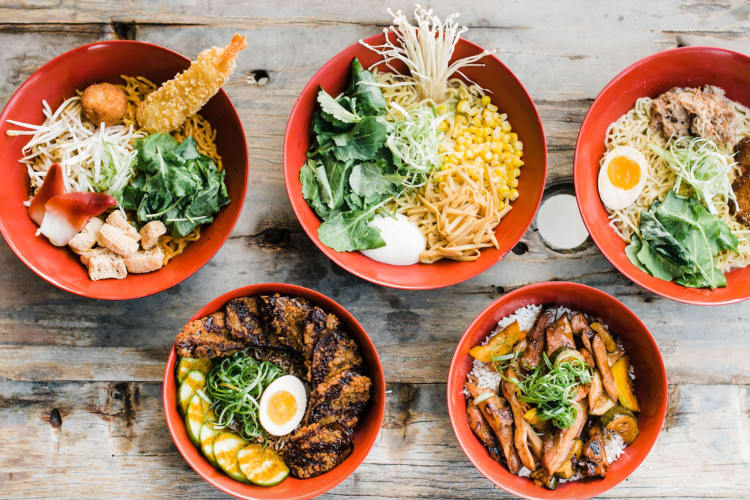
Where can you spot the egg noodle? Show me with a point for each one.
(633, 129)
(136, 89)
(463, 201)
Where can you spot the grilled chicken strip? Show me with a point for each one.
(316, 448)
(578, 323)
(285, 319)
(335, 352)
(521, 435)
(595, 390)
(500, 419)
(340, 398)
(594, 457)
(481, 430)
(317, 324)
(535, 339)
(560, 335)
(207, 337)
(243, 321)
(602, 362)
(557, 447)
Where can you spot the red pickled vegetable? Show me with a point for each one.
(52, 186)
(67, 214)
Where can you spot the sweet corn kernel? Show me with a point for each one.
(443, 126)
(514, 183)
(514, 195)
(442, 109)
(492, 108)
(485, 100)
(516, 172)
(462, 106)
(487, 155)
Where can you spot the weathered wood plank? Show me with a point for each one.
(109, 420)
(415, 332)
(54, 434)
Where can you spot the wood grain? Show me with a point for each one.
(80, 380)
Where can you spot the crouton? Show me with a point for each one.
(116, 240)
(105, 265)
(117, 219)
(150, 233)
(86, 239)
(145, 262)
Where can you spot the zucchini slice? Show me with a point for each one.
(226, 447)
(195, 417)
(621, 373)
(193, 381)
(207, 436)
(186, 365)
(623, 422)
(262, 465)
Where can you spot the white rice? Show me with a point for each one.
(488, 378)
(614, 446)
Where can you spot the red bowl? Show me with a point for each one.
(291, 488)
(651, 383)
(58, 80)
(507, 93)
(683, 67)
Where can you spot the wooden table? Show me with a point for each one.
(80, 380)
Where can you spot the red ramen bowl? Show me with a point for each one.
(58, 80)
(507, 93)
(649, 77)
(650, 384)
(291, 488)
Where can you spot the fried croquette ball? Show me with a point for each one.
(104, 102)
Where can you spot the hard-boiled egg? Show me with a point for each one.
(282, 405)
(403, 241)
(622, 177)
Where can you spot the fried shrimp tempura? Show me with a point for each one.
(184, 95)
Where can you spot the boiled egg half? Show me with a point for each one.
(622, 177)
(282, 405)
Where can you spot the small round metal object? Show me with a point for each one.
(559, 222)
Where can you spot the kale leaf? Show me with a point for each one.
(175, 184)
(349, 173)
(679, 240)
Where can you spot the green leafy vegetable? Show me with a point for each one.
(235, 386)
(334, 109)
(175, 184)
(349, 173)
(362, 88)
(679, 240)
(345, 232)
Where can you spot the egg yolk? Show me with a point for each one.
(623, 172)
(281, 407)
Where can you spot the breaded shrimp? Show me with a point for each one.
(183, 96)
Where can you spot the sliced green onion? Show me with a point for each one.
(235, 385)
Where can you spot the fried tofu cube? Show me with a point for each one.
(118, 220)
(150, 233)
(86, 239)
(116, 240)
(103, 264)
(146, 261)
(89, 254)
